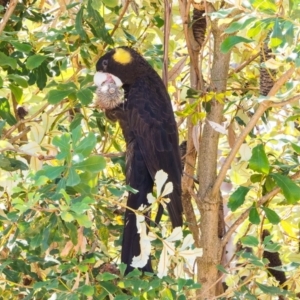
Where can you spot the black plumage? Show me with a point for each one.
(149, 128)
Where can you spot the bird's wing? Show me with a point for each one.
(154, 128)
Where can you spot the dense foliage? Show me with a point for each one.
(62, 191)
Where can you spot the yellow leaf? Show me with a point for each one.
(289, 228)
(239, 173)
(5, 145)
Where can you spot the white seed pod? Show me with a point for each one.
(109, 96)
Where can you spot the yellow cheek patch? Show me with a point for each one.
(122, 56)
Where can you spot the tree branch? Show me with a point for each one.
(8, 13)
(167, 25)
(191, 154)
(245, 214)
(281, 81)
(253, 121)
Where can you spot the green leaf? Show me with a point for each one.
(110, 3)
(166, 294)
(16, 164)
(76, 121)
(103, 234)
(5, 112)
(240, 24)
(12, 164)
(259, 161)
(11, 275)
(271, 290)
(73, 178)
(92, 164)
(7, 61)
(23, 47)
(254, 216)
(107, 276)
(108, 286)
(79, 23)
(231, 41)
(35, 61)
(85, 96)
(19, 80)
(123, 297)
(289, 33)
(270, 184)
(290, 189)
(80, 207)
(67, 216)
(53, 172)
(159, 22)
(238, 198)
(41, 75)
(221, 13)
(2, 124)
(222, 269)
(97, 24)
(250, 241)
(36, 240)
(17, 92)
(276, 37)
(76, 135)
(86, 145)
(272, 247)
(63, 142)
(271, 215)
(83, 220)
(122, 268)
(129, 37)
(87, 290)
(256, 178)
(296, 148)
(55, 96)
(264, 6)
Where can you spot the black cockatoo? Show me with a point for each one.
(149, 128)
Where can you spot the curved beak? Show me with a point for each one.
(101, 77)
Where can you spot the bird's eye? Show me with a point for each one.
(105, 63)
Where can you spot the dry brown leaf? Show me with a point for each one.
(36, 269)
(231, 135)
(76, 283)
(68, 247)
(81, 245)
(176, 70)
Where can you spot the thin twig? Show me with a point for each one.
(244, 64)
(20, 135)
(23, 121)
(119, 20)
(112, 155)
(8, 13)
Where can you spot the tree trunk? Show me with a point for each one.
(208, 153)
